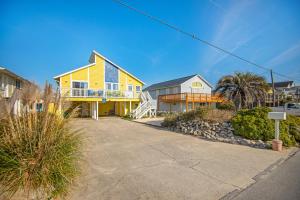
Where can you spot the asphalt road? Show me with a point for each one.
(282, 183)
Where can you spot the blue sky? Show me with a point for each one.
(41, 39)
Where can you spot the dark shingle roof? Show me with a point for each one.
(282, 84)
(170, 83)
(173, 83)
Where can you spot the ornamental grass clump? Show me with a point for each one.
(39, 154)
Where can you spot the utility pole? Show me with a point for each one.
(273, 87)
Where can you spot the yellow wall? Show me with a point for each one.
(121, 110)
(125, 79)
(97, 74)
(65, 81)
(104, 108)
(80, 75)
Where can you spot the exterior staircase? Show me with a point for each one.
(146, 108)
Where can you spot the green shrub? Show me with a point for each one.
(254, 124)
(39, 154)
(226, 106)
(127, 117)
(170, 120)
(292, 126)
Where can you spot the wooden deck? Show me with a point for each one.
(190, 98)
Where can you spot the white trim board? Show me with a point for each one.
(69, 72)
(89, 65)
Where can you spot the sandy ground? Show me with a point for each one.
(129, 160)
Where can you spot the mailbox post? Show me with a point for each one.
(277, 116)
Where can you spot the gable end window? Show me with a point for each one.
(111, 73)
(197, 85)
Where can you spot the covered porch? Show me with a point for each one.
(96, 109)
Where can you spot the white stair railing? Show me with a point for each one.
(147, 106)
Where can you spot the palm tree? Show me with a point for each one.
(244, 89)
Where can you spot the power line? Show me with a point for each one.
(193, 36)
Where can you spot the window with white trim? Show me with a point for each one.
(111, 86)
(79, 88)
(129, 87)
(138, 88)
(79, 84)
(115, 86)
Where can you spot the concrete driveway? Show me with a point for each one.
(128, 160)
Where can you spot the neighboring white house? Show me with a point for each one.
(10, 85)
(193, 84)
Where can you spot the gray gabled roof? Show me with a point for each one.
(12, 74)
(282, 84)
(173, 82)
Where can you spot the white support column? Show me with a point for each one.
(129, 107)
(97, 111)
(94, 110)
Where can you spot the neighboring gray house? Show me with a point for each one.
(283, 86)
(193, 84)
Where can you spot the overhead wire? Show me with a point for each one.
(195, 37)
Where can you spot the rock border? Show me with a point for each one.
(216, 131)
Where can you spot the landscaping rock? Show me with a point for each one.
(222, 132)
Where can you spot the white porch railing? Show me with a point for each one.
(147, 107)
(97, 93)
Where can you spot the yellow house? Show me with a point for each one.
(101, 88)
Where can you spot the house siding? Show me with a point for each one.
(95, 76)
(8, 85)
(172, 90)
(187, 86)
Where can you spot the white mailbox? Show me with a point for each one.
(277, 115)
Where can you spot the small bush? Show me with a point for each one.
(199, 113)
(226, 106)
(254, 124)
(170, 120)
(127, 117)
(292, 126)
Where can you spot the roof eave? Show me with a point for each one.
(95, 52)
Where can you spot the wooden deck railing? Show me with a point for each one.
(190, 97)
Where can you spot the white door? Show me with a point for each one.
(129, 92)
